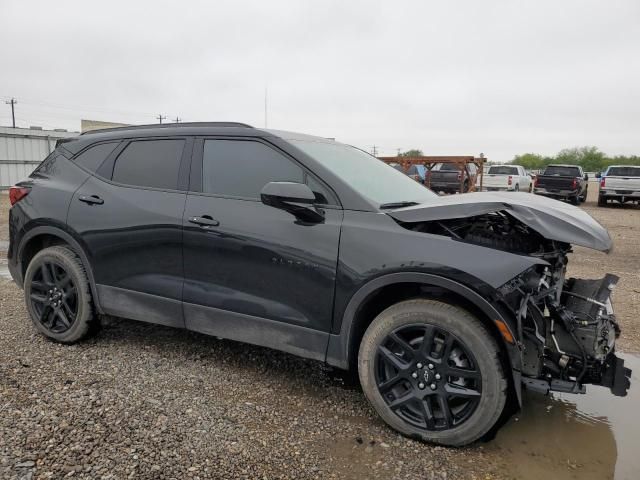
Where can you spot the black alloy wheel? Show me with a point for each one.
(433, 371)
(428, 377)
(54, 297)
(58, 295)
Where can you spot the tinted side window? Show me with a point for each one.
(93, 157)
(241, 168)
(149, 163)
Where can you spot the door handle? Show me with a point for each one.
(204, 221)
(91, 199)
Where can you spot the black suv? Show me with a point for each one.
(445, 306)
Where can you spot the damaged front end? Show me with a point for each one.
(565, 328)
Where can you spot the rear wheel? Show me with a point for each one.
(574, 200)
(431, 370)
(58, 296)
(516, 188)
(602, 201)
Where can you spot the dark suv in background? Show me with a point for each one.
(445, 306)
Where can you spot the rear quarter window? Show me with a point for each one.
(92, 157)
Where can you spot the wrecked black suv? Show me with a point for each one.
(445, 306)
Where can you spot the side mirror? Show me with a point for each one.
(586, 177)
(295, 198)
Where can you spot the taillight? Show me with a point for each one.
(574, 185)
(509, 180)
(602, 182)
(17, 193)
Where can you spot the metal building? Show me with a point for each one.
(22, 149)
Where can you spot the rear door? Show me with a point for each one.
(129, 217)
(255, 273)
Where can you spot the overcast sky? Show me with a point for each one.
(448, 77)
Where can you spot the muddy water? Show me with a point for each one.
(592, 436)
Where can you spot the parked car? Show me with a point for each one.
(507, 177)
(444, 306)
(565, 182)
(448, 178)
(620, 183)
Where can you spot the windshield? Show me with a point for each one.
(624, 171)
(447, 167)
(503, 171)
(370, 177)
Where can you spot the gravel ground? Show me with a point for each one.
(144, 401)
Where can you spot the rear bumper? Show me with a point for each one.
(618, 194)
(555, 193)
(444, 186)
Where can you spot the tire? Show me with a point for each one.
(387, 341)
(58, 295)
(574, 200)
(516, 188)
(465, 187)
(602, 201)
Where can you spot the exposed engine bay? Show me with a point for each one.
(566, 327)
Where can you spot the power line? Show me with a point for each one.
(12, 102)
(161, 117)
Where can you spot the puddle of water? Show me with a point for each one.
(592, 436)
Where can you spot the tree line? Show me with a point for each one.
(591, 159)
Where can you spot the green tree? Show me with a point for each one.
(589, 158)
(415, 152)
(530, 161)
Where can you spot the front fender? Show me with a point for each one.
(340, 345)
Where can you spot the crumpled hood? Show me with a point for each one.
(552, 219)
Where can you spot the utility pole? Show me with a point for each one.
(374, 151)
(12, 102)
(176, 120)
(161, 117)
(398, 149)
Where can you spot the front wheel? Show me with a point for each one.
(431, 371)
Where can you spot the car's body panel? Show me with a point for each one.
(551, 219)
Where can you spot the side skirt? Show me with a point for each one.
(294, 339)
(145, 307)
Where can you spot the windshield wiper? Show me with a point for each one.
(397, 204)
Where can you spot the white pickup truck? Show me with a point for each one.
(621, 183)
(506, 177)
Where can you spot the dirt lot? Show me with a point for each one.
(143, 401)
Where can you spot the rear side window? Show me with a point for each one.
(92, 158)
(241, 168)
(149, 163)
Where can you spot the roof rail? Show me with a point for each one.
(169, 125)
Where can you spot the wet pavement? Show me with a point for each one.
(563, 436)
